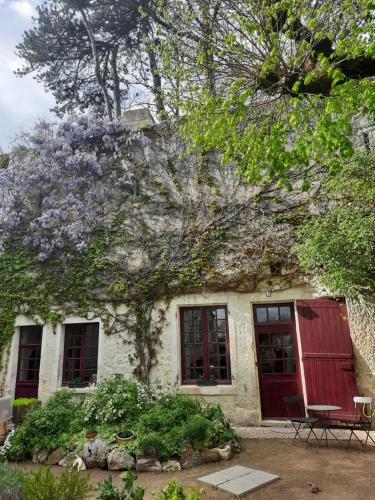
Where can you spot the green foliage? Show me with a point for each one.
(153, 445)
(338, 248)
(116, 400)
(106, 490)
(69, 485)
(176, 422)
(50, 426)
(196, 430)
(24, 401)
(164, 424)
(4, 160)
(9, 477)
(174, 491)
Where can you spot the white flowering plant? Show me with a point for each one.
(116, 400)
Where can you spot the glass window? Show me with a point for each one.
(261, 314)
(277, 353)
(81, 352)
(206, 354)
(29, 353)
(274, 313)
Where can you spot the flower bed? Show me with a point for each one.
(170, 430)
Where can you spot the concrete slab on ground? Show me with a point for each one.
(239, 480)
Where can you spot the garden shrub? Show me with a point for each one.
(69, 485)
(106, 490)
(164, 424)
(50, 426)
(153, 445)
(196, 430)
(24, 402)
(116, 400)
(174, 491)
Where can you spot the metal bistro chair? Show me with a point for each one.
(362, 421)
(297, 415)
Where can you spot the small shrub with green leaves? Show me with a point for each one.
(106, 490)
(24, 402)
(50, 426)
(196, 430)
(174, 491)
(69, 485)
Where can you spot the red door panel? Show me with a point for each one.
(327, 354)
(28, 361)
(277, 357)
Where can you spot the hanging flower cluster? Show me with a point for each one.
(62, 185)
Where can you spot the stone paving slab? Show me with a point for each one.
(248, 483)
(238, 480)
(221, 476)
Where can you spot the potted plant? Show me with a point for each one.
(205, 381)
(21, 406)
(76, 383)
(125, 436)
(91, 433)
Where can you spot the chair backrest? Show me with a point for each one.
(294, 406)
(363, 407)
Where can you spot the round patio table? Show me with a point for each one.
(325, 410)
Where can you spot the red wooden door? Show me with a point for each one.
(28, 362)
(277, 354)
(327, 354)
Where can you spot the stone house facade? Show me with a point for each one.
(258, 330)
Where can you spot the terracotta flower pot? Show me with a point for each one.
(125, 437)
(91, 435)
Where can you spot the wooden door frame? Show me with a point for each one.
(296, 344)
(20, 347)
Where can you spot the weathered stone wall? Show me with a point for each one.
(362, 326)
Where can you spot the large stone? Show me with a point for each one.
(54, 457)
(148, 464)
(68, 460)
(42, 456)
(171, 466)
(225, 452)
(191, 458)
(120, 460)
(94, 454)
(210, 455)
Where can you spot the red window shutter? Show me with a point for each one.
(327, 354)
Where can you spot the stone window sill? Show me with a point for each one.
(207, 390)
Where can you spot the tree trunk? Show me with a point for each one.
(156, 78)
(95, 55)
(116, 82)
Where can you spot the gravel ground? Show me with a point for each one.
(340, 474)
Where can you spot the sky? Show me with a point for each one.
(22, 100)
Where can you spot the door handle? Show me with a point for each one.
(351, 369)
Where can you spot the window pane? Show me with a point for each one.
(287, 339)
(273, 314)
(285, 313)
(263, 339)
(31, 334)
(266, 367)
(266, 353)
(276, 339)
(289, 351)
(261, 313)
(291, 366)
(221, 336)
